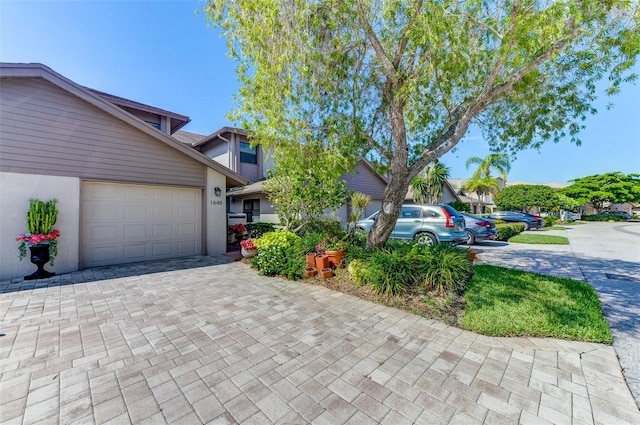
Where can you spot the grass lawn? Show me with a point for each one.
(505, 302)
(553, 228)
(539, 239)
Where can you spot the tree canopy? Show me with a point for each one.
(524, 197)
(598, 189)
(402, 81)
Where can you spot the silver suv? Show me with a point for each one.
(424, 224)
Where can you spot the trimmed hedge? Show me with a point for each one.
(549, 220)
(509, 230)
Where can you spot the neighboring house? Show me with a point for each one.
(230, 147)
(449, 195)
(127, 191)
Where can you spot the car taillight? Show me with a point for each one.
(483, 223)
(537, 218)
(449, 222)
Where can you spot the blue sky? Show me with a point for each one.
(162, 53)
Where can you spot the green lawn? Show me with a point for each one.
(505, 302)
(553, 228)
(539, 239)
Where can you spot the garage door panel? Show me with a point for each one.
(128, 223)
(135, 232)
(133, 212)
(186, 230)
(187, 248)
(163, 231)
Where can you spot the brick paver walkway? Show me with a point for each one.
(219, 344)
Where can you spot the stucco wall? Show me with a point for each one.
(215, 213)
(15, 192)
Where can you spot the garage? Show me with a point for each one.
(125, 223)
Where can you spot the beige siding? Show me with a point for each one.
(363, 180)
(44, 128)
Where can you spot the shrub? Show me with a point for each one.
(280, 253)
(549, 220)
(309, 241)
(326, 226)
(603, 217)
(460, 206)
(256, 230)
(508, 230)
(447, 269)
(357, 270)
(388, 272)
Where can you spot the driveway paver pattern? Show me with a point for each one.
(219, 344)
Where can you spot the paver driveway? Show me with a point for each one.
(219, 344)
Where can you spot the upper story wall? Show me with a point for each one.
(364, 180)
(46, 130)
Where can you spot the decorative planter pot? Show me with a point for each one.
(248, 253)
(311, 260)
(310, 271)
(335, 258)
(322, 262)
(39, 257)
(326, 273)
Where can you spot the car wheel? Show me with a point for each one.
(526, 226)
(471, 239)
(425, 239)
(360, 231)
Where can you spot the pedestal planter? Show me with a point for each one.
(322, 262)
(39, 257)
(248, 253)
(310, 271)
(326, 273)
(335, 258)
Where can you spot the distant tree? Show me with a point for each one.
(481, 185)
(523, 197)
(599, 189)
(403, 81)
(305, 181)
(428, 188)
(497, 161)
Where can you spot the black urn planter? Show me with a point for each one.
(39, 257)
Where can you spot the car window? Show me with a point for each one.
(430, 213)
(410, 212)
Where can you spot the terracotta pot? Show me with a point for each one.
(322, 262)
(310, 271)
(326, 273)
(335, 258)
(311, 260)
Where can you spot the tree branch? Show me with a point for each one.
(402, 45)
(389, 69)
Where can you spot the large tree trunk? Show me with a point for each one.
(389, 213)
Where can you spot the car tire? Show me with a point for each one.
(425, 239)
(526, 226)
(360, 231)
(471, 238)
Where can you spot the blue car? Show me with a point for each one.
(424, 224)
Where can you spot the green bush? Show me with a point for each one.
(358, 271)
(310, 240)
(256, 230)
(508, 230)
(460, 206)
(549, 220)
(325, 226)
(603, 217)
(447, 269)
(280, 253)
(388, 272)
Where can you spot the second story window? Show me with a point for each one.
(248, 154)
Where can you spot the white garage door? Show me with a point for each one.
(125, 223)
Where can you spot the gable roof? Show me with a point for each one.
(188, 138)
(177, 121)
(218, 135)
(37, 70)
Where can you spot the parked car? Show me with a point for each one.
(424, 224)
(530, 221)
(478, 228)
(623, 214)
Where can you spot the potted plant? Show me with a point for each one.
(40, 237)
(248, 248)
(236, 232)
(334, 249)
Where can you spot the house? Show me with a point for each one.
(231, 147)
(127, 190)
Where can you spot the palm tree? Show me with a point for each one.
(497, 161)
(429, 188)
(481, 185)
